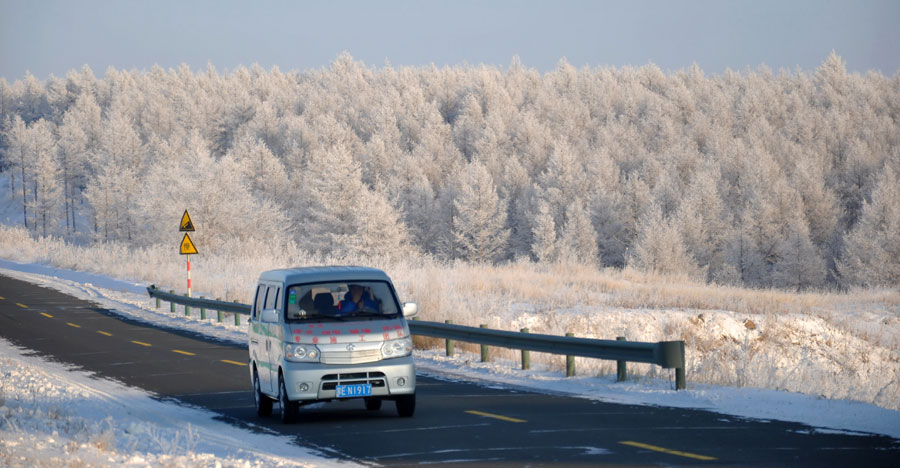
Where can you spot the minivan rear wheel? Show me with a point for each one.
(263, 402)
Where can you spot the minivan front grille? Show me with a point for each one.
(344, 356)
(376, 379)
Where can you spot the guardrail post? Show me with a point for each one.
(621, 369)
(202, 311)
(172, 304)
(187, 311)
(219, 312)
(570, 361)
(157, 303)
(485, 353)
(526, 355)
(237, 319)
(450, 345)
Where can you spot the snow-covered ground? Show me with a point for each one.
(54, 416)
(52, 413)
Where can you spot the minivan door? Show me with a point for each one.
(274, 336)
(259, 347)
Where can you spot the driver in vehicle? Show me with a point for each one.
(357, 299)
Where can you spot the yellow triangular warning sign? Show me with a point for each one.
(187, 246)
(186, 223)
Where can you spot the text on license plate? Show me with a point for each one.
(349, 391)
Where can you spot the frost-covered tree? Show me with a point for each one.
(342, 214)
(799, 265)
(659, 247)
(479, 217)
(872, 249)
(73, 161)
(579, 240)
(700, 219)
(16, 158)
(46, 203)
(745, 167)
(544, 247)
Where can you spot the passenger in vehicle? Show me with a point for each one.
(324, 303)
(357, 298)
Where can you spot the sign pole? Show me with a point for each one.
(189, 275)
(187, 248)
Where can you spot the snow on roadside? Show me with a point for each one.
(828, 414)
(51, 415)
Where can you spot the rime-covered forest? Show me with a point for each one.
(751, 178)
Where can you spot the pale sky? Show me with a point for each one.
(55, 36)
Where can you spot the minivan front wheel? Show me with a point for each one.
(288, 411)
(263, 402)
(406, 405)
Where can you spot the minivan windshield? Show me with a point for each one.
(340, 300)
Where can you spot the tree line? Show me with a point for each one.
(750, 178)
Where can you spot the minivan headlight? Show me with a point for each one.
(397, 348)
(301, 352)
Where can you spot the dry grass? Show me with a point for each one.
(849, 341)
(441, 289)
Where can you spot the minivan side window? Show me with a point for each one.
(258, 303)
(278, 300)
(270, 297)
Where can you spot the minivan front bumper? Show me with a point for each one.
(310, 382)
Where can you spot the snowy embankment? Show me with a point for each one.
(52, 416)
(828, 414)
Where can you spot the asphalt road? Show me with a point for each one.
(456, 423)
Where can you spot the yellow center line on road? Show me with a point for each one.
(183, 352)
(141, 343)
(2, 298)
(496, 416)
(21, 305)
(104, 333)
(73, 325)
(234, 362)
(669, 451)
(45, 314)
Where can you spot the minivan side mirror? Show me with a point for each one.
(410, 309)
(270, 315)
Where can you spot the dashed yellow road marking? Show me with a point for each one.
(45, 314)
(73, 325)
(21, 305)
(669, 451)
(496, 416)
(183, 352)
(2, 298)
(104, 333)
(234, 362)
(141, 343)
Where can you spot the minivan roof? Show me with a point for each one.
(323, 274)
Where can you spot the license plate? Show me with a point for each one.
(350, 391)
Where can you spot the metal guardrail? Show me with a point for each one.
(233, 307)
(667, 354)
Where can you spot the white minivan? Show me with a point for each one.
(326, 333)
